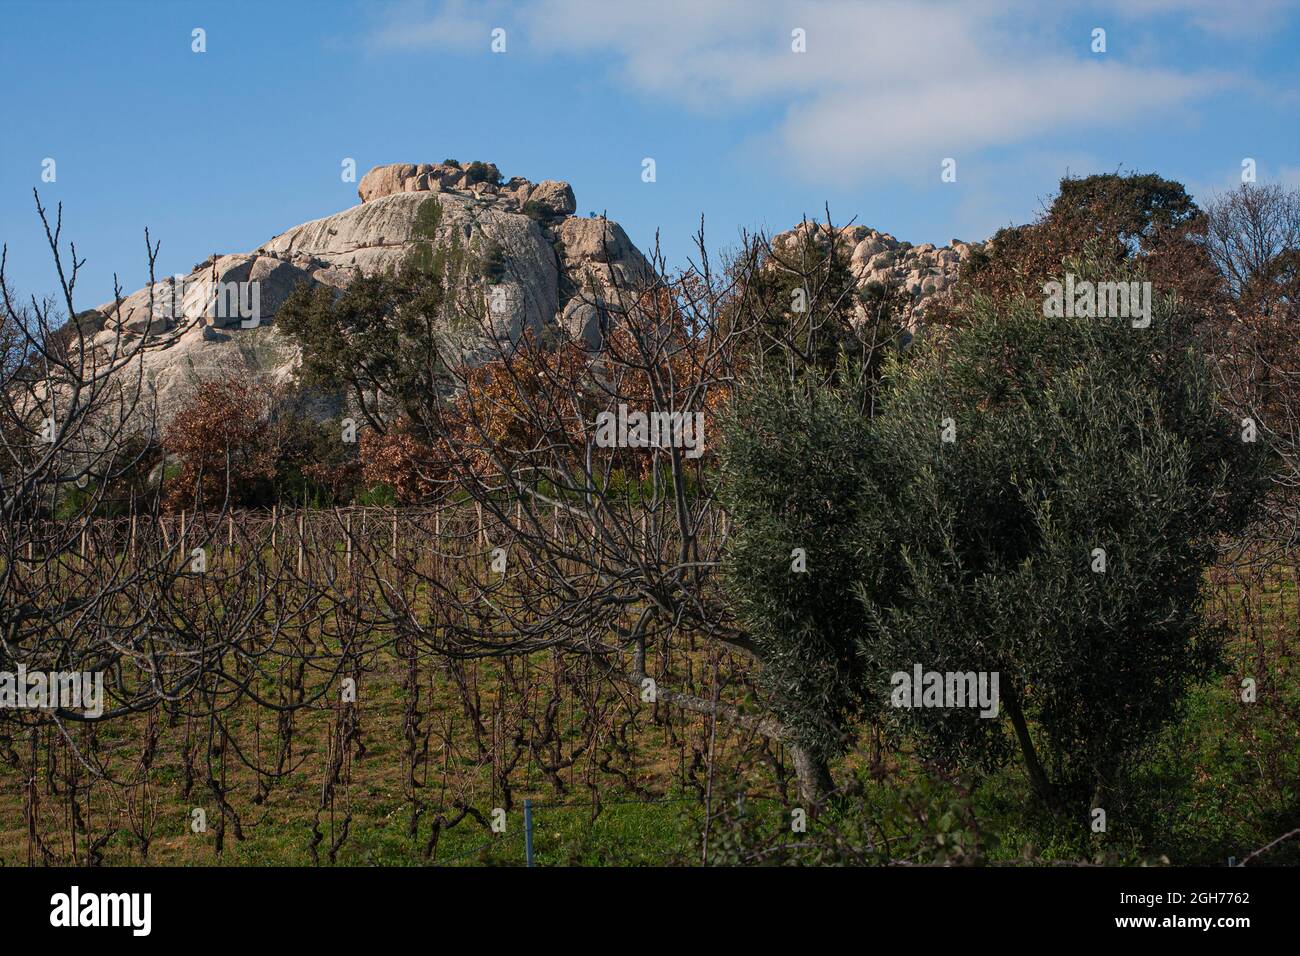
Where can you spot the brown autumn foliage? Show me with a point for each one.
(661, 364)
(541, 401)
(339, 479)
(516, 414)
(1121, 217)
(517, 407)
(510, 407)
(399, 459)
(224, 447)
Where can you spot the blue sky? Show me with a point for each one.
(219, 151)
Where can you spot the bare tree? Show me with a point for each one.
(592, 468)
(165, 620)
(1253, 237)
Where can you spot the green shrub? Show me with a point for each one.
(477, 172)
(379, 496)
(492, 263)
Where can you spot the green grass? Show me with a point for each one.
(1221, 782)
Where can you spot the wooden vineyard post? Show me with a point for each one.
(301, 519)
(349, 541)
(556, 534)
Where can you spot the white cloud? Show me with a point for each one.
(1221, 17)
(885, 87)
(916, 127)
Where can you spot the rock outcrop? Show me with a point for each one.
(534, 263)
(925, 272)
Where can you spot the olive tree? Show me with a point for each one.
(1059, 488)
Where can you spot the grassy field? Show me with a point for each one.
(616, 781)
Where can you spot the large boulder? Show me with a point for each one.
(553, 198)
(535, 264)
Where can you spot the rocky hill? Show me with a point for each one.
(541, 266)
